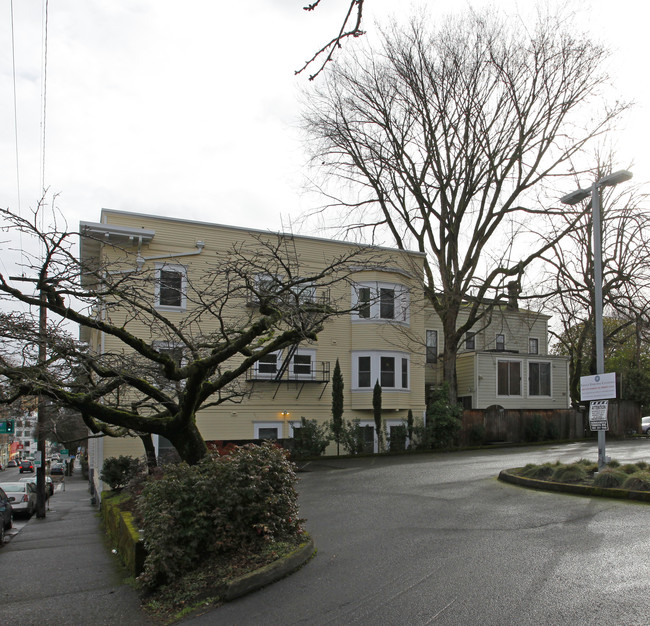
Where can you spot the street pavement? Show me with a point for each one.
(58, 570)
(437, 539)
(408, 540)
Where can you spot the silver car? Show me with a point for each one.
(6, 515)
(22, 497)
(49, 484)
(645, 425)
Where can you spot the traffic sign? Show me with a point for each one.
(598, 415)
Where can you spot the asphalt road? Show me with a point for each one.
(437, 539)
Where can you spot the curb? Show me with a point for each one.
(507, 476)
(270, 573)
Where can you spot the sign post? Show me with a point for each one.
(597, 390)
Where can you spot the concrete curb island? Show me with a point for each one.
(270, 573)
(508, 476)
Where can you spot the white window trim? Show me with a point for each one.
(259, 425)
(550, 379)
(257, 375)
(431, 332)
(171, 268)
(521, 378)
(303, 352)
(402, 301)
(375, 369)
(537, 340)
(496, 342)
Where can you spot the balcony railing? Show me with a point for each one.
(317, 372)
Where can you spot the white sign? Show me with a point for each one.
(599, 387)
(598, 415)
(37, 459)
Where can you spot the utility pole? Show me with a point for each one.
(42, 357)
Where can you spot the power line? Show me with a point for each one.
(13, 60)
(44, 94)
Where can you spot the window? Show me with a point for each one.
(267, 366)
(363, 303)
(364, 371)
(381, 301)
(432, 346)
(387, 304)
(539, 379)
(387, 378)
(171, 286)
(303, 364)
(533, 346)
(268, 430)
(391, 369)
(509, 378)
(470, 341)
(501, 342)
(304, 292)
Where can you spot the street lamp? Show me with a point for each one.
(573, 198)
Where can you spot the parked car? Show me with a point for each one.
(26, 466)
(57, 468)
(12, 463)
(645, 425)
(49, 484)
(6, 515)
(22, 497)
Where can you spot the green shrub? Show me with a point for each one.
(534, 429)
(629, 468)
(443, 422)
(118, 471)
(613, 463)
(611, 478)
(573, 473)
(639, 481)
(477, 435)
(540, 472)
(310, 439)
(221, 505)
(397, 440)
(352, 437)
(642, 465)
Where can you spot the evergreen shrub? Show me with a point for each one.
(310, 439)
(117, 472)
(218, 506)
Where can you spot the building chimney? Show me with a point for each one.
(513, 292)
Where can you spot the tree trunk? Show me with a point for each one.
(150, 451)
(189, 443)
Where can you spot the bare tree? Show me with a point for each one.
(441, 139)
(625, 227)
(164, 370)
(350, 27)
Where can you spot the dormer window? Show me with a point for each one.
(500, 342)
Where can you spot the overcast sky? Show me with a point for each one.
(189, 109)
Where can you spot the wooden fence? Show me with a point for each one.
(496, 424)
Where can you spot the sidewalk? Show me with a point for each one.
(58, 570)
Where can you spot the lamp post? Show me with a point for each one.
(573, 198)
